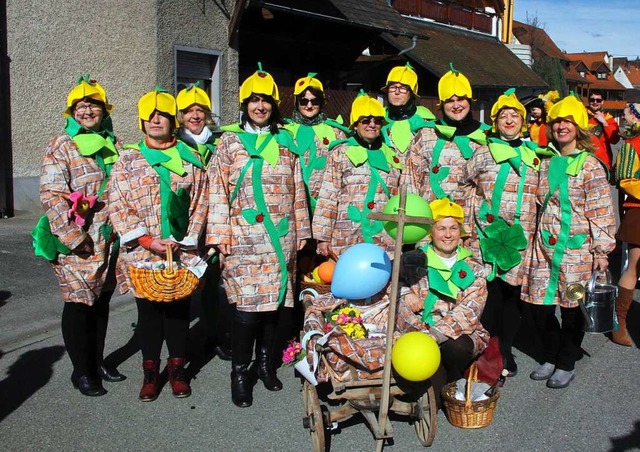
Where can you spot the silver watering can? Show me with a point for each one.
(597, 302)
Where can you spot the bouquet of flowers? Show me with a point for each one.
(293, 353)
(349, 320)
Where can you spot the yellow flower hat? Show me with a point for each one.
(158, 99)
(445, 208)
(307, 82)
(363, 106)
(193, 95)
(86, 87)
(261, 82)
(453, 83)
(405, 75)
(570, 108)
(508, 100)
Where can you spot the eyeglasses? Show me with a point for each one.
(595, 100)
(402, 89)
(369, 119)
(84, 107)
(304, 101)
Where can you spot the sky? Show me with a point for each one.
(587, 25)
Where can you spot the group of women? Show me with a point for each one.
(539, 219)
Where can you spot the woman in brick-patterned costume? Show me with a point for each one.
(158, 198)
(196, 123)
(312, 132)
(500, 186)
(75, 170)
(403, 114)
(575, 234)
(258, 219)
(628, 179)
(362, 174)
(439, 152)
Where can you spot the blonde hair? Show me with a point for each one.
(208, 117)
(584, 137)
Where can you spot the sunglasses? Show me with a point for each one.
(367, 120)
(303, 101)
(401, 89)
(595, 101)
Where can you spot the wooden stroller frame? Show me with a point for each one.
(368, 396)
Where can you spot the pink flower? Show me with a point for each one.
(80, 207)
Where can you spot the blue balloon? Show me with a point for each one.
(361, 272)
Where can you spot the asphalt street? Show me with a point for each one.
(40, 410)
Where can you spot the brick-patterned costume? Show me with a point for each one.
(313, 143)
(356, 182)
(576, 224)
(438, 157)
(257, 206)
(500, 189)
(137, 207)
(66, 170)
(402, 127)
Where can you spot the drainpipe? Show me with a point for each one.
(414, 42)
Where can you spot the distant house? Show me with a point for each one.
(599, 74)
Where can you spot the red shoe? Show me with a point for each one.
(178, 378)
(151, 384)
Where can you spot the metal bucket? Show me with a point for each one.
(599, 304)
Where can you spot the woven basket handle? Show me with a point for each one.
(169, 253)
(473, 376)
(332, 256)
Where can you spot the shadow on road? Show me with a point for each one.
(31, 371)
(628, 442)
(4, 295)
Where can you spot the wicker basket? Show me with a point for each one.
(318, 287)
(166, 285)
(468, 414)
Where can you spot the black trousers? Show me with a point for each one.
(217, 312)
(253, 331)
(84, 329)
(158, 322)
(456, 356)
(502, 313)
(561, 344)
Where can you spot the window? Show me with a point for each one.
(602, 75)
(581, 73)
(199, 65)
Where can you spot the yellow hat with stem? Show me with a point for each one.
(260, 82)
(193, 95)
(159, 99)
(87, 87)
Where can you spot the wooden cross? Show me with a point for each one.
(401, 218)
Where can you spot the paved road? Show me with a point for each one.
(39, 410)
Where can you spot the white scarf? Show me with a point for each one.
(202, 138)
(248, 127)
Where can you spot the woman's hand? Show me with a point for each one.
(224, 249)
(323, 248)
(600, 264)
(159, 246)
(302, 244)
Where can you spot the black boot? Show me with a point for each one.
(242, 380)
(266, 368)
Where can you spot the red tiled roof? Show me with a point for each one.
(537, 38)
(593, 60)
(633, 75)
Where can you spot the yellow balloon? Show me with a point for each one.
(415, 356)
(316, 276)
